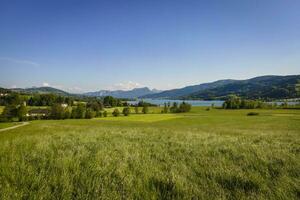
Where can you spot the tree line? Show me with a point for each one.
(14, 98)
(175, 108)
(69, 107)
(235, 102)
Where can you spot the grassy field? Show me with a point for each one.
(8, 124)
(216, 154)
(152, 110)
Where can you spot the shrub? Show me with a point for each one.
(145, 109)
(185, 107)
(252, 113)
(98, 114)
(105, 113)
(90, 114)
(79, 112)
(57, 111)
(9, 113)
(235, 102)
(126, 111)
(116, 112)
(136, 109)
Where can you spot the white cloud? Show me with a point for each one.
(72, 89)
(46, 84)
(20, 61)
(126, 86)
(75, 89)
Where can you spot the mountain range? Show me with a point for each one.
(134, 93)
(262, 87)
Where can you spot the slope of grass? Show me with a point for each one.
(7, 124)
(216, 154)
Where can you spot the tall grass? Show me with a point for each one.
(200, 155)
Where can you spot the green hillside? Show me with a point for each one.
(265, 87)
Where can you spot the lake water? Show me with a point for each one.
(216, 103)
(161, 102)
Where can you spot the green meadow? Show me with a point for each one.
(8, 124)
(215, 154)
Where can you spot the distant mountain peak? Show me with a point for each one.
(133, 93)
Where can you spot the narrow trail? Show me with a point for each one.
(13, 127)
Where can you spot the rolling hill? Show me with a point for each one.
(42, 90)
(176, 93)
(265, 87)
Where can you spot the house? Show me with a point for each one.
(64, 105)
(38, 112)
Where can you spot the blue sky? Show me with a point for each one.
(90, 45)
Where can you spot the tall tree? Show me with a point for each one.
(21, 112)
(145, 109)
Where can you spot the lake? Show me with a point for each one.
(216, 103)
(161, 102)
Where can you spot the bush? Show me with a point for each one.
(57, 111)
(145, 109)
(98, 114)
(183, 107)
(116, 113)
(90, 114)
(105, 113)
(79, 112)
(9, 113)
(235, 102)
(252, 113)
(136, 109)
(174, 108)
(126, 111)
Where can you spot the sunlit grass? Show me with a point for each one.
(142, 118)
(8, 124)
(216, 154)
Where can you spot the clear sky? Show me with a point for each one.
(91, 45)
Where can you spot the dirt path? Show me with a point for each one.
(13, 127)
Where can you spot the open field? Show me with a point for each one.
(8, 124)
(152, 110)
(216, 154)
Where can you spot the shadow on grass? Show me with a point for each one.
(165, 189)
(235, 184)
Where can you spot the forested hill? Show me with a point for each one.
(264, 87)
(176, 93)
(41, 90)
